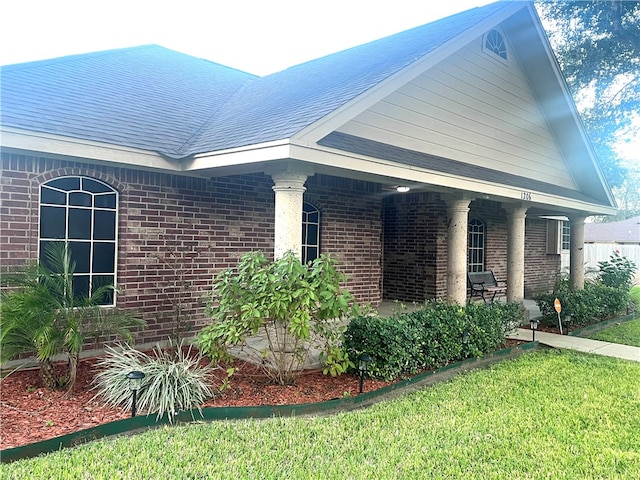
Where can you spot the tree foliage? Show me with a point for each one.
(598, 47)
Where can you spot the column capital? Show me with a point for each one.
(515, 210)
(456, 203)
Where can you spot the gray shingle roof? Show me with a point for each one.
(147, 97)
(156, 99)
(279, 105)
(624, 231)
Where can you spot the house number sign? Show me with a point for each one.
(525, 196)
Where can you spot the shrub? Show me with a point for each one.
(175, 380)
(593, 304)
(297, 306)
(394, 348)
(617, 272)
(43, 314)
(635, 296)
(433, 336)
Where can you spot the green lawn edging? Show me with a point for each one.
(128, 425)
(596, 327)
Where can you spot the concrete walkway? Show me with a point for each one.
(579, 344)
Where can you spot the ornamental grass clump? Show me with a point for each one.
(175, 380)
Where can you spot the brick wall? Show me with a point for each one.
(496, 235)
(175, 230)
(540, 268)
(415, 249)
(350, 231)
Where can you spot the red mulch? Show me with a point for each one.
(30, 413)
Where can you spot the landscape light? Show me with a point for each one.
(135, 382)
(534, 326)
(363, 364)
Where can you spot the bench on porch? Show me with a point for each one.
(485, 285)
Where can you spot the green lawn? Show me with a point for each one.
(627, 333)
(544, 415)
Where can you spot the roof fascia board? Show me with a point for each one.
(321, 128)
(60, 146)
(259, 153)
(338, 159)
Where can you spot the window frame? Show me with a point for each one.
(565, 236)
(492, 48)
(309, 209)
(472, 246)
(91, 196)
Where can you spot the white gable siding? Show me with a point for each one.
(471, 108)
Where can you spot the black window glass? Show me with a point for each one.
(80, 287)
(66, 183)
(104, 227)
(53, 197)
(312, 254)
(105, 201)
(80, 199)
(103, 257)
(52, 222)
(46, 246)
(81, 254)
(312, 235)
(95, 187)
(80, 223)
(105, 295)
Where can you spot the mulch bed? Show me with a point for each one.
(30, 413)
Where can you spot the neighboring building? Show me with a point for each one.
(624, 232)
(161, 169)
(603, 239)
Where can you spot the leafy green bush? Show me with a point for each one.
(433, 336)
(618, 271)
(635, 296)
(297, 306)
(592, 304)
(175, 380)
(393, 347)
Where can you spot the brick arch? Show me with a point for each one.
(79, 172)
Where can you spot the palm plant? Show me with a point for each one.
(44, 315)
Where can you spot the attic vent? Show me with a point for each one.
(493, 42)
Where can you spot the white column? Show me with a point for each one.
(457, 232)
(289, 189)
(515, 252)
(576, 252)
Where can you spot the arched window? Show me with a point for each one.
(493, 42)
(82, 212)
(310, 233)
(476, 245)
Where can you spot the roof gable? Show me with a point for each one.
(281, 104)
